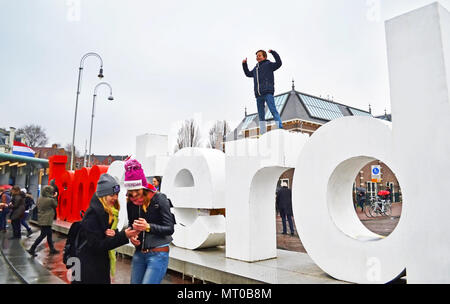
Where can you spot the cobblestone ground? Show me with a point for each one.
(381, 225)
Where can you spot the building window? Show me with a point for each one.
(372, 189)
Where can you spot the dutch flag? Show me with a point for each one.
(22, 149)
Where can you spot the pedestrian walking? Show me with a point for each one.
(5, 200)
(56, 190)
(149, 213)
(361, 199)
(284, 205)
(17, 207)
(99, 229)
(46, 208)
(29, 202)
(264, 86)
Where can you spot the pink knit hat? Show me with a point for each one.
(135, 177)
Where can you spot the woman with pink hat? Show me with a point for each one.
(148, 212)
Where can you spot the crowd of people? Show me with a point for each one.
(149, 229)
(17, 204)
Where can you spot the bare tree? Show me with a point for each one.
(188, 135)
(217, 135)
(34, 135)
(68, 149)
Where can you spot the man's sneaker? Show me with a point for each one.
(29, 232)
(33, 254)
(54, 251)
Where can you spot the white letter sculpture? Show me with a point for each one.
(195, 178)
(417, 149)
(253, 168)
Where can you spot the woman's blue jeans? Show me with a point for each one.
(149, 268)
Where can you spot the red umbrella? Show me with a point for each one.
(5, 187)
(383, 193)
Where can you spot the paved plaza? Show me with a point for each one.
(45, 268)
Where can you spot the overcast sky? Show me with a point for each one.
(173, 60)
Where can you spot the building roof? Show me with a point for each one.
(41, 163)
(296, 105)
(386, 116)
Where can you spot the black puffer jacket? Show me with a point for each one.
(262, 74)
(94, 258)
(159, 217)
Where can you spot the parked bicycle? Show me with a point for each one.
(379, 207)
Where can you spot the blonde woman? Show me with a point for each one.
(99, 227)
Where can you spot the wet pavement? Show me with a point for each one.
(53, 263)
(56, 266)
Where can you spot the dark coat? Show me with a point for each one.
(262, 74)
(159, 217)
(18, 207)
(94, 258)
(284, 200)
(46, 207)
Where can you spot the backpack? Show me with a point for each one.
(171, 206)
(76, 241)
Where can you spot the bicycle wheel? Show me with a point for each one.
(373, 210)
(387, 210)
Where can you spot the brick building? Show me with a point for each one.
(80, 162)
(305, 113)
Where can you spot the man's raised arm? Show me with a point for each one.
(246, 70)
(277, 64)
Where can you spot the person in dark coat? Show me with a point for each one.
(5, 200)
(17, 207)
(46, 210)
(95, 259)
(284, 205)
(264, 86)
(361, 199)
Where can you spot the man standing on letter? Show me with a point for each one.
(263, 80)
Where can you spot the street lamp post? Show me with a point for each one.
(80, 73)
(93, 109)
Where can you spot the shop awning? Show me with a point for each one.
(37, 162)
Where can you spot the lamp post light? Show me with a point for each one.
(80, 73)
(93, 109)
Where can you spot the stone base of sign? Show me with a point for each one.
(211, 265)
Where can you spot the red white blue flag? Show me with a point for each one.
(22, 149)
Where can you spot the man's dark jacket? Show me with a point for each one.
(262, 74)
(284, 201)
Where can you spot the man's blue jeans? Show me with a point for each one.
(270, 100)
(24, 220)
(149, 268)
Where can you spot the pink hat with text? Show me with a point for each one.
(135, 178)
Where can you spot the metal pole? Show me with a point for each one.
(80, 72)
(92, 123)
(93, 114)
(72, 148)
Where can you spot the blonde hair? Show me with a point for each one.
(108, 208)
